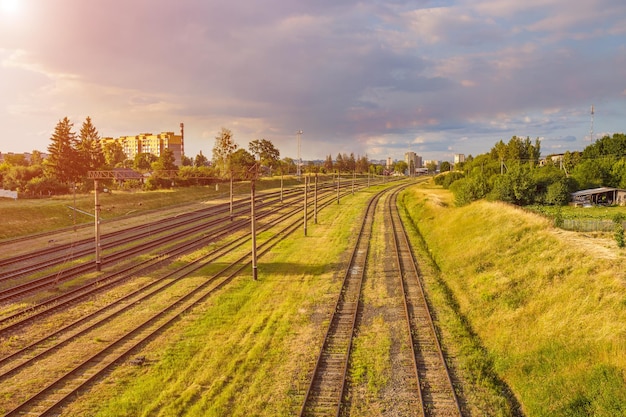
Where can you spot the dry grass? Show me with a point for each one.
(549, 307)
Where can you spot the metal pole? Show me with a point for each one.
(338, 186)
(353, 176)
(299, 169)
(97, 225)
(315, 203)
(74, 210)
(231, 195)
(253, 231)
(306, 193)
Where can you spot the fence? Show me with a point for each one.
(588, 225)
(8, 194)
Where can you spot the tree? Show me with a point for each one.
(165, 162)
(362, 164)
(88, 148)
(340, 164)
(222, 151)
(36, 158)
(431, 166)
(114, 155)
(242, 163)
(328, 163)
(63, 158)
(287, 164)
(200, 160)
(186, 161)
(401, 167)
(144, 160)
(445, 166)
(266, 152)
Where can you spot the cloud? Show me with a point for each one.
(362, 77)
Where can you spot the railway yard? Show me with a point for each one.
(67, 329)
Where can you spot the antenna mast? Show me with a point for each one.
(591, 133)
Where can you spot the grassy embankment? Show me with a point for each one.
(249, 349)
(24, 217)
(547, 306)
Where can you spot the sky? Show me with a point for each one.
(376, 78)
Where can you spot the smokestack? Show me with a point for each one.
(182, 139)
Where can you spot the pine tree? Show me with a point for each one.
(89, 150)
(63, 157)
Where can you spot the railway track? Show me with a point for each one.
(63, 383)
(143, 239)
(436, 390)
(427, 375)
(325, 393)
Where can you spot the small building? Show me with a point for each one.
(605, 196)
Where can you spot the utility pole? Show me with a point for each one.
(306, 193)
(315, 203)
(338, 186)
(299, 169)
(97, 226)
(353, 177)
(231, 195)
(252, 223)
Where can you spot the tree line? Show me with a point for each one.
(72, 155)
(512, 172)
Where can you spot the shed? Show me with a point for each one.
(599, 196)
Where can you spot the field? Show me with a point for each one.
(534, 317)
(26, 217)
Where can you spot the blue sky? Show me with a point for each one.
(368, 77)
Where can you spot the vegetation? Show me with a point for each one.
(248, 350)
(511, 172)
(70, 158)
(548, 309)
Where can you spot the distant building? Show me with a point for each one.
(557, 159)
(459, 158)
(153, 144)
(432, 162)
(413, 160)
(28, 156)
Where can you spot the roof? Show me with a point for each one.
(596, 191)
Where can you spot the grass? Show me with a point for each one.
(249, 350)
(23, 217)
(548, 311)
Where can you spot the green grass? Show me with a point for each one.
(549, 311)
(24, 217)
(250, 349)
(579, 213)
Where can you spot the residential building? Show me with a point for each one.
(413, 160)
(151, 143)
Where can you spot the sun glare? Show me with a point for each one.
(10, 6)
